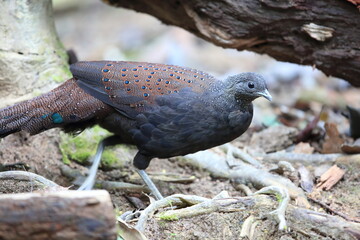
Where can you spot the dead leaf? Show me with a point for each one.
(333, 140)
(351, 148)
(330, 178)
(306, 179)
(129, 233)
(302, 147)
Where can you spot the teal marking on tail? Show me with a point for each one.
(57, 118)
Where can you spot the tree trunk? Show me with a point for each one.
(323, 33)
(32, 59)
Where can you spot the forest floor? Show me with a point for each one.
(307, 116)
(41, 154)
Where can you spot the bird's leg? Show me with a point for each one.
(141, 162)
(90, 180)
(150, 184)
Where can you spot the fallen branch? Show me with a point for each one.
(333, 211)
(57, 215)
(303, 158)
(327, 41)
(28, 176)
(173, 200)
(107, 185)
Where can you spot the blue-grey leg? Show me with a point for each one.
(89, 182)
(149, 183)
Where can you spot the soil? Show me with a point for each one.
(41, 154)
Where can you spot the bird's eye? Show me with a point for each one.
(251, 85)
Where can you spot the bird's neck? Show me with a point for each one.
(227, 102)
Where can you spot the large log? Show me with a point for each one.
(322, 33)
(59, 215)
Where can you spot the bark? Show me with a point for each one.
(322, 33)
(31, 55)
(57, 215)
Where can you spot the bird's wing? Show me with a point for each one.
(133, 87)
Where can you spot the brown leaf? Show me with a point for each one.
(351, 148)
(330, 178)
(333, 141)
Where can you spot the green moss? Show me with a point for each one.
(81, 155)
(278, 197)
(81, 147)
(109, 158)
(65, 157)
(169, 217)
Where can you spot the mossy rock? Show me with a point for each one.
(82, 147)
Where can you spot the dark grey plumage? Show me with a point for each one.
(164, 110)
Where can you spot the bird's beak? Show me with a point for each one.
(266, 95)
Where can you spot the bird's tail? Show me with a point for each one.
(66, 106)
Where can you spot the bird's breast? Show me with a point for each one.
(178, 128)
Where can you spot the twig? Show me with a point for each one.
(248, 227)
(108, 185)
(27, 176)
(231, 150)
(329, 209)
(301, 157)
(306, 132)
(176, 199)
(121, 186)
(244, 188)
(284, 201)
(209, 206)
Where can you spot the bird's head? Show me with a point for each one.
(248, 86)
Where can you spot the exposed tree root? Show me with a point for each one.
(28, 176)
(214, 162)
